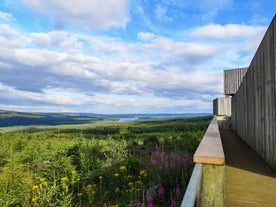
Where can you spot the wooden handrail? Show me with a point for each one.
(210, 150)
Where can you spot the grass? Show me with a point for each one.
(101, 164)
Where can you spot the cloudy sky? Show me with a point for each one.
(124, 56)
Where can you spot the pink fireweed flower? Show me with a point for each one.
(172, 165)
(160, 191)
(166, 165)
(157, 153)
(177, 191)
(150, 200)
(173, 203)
(153, 162)
(188, 160)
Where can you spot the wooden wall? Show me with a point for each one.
(233, 79)
(222, 107)
(253, 106)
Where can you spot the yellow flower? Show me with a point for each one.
(79, 194)
(34, 199)
(100, 177)
(122, 168)
(139, 182)
(130, 183)
(35, 187)
(78, 179)
(143, 172)
(64, 179)
(117, 189)
(116, 174)
(42, 180)
(89, 187)
(45, 183)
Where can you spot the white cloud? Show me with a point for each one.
(56, 39)
(161, 14)
(228, 31)
(145, 36)
(106, 72)
(250, 35)
(96, 14)
(6, 16)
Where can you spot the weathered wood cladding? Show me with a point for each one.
(222, 107)
(253, 106)
(233, 79)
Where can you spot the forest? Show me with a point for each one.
(111, 164)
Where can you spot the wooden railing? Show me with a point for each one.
(206, 186)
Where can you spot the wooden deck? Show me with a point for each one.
(249, 182)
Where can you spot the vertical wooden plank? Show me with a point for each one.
(253, 104)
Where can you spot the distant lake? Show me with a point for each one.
(128, 119)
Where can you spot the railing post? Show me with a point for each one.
(211, 192)
(206, 188)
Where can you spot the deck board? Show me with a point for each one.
(248, 180)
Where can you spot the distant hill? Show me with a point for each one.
(15, 118)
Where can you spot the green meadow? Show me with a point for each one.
(112, 164)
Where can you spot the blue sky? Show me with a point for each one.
(120, 56)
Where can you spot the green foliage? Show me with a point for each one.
(99, 164)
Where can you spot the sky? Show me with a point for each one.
(124, 56)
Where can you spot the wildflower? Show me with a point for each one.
(130, 183)
(122, 168)
(44, 183)
(150, 200)
(117, 190)
(64, 179)
(35, 187)
(88, 187)
(42, 180)
(79, 194)
(139, 182)
(166, 165)
(177, 191)
(172, 165)
(78, 179)
(153, 162)
(173, 203)
(142, 172)
(100, 177)
(34, 199)
(116, 174)
(160, 191)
